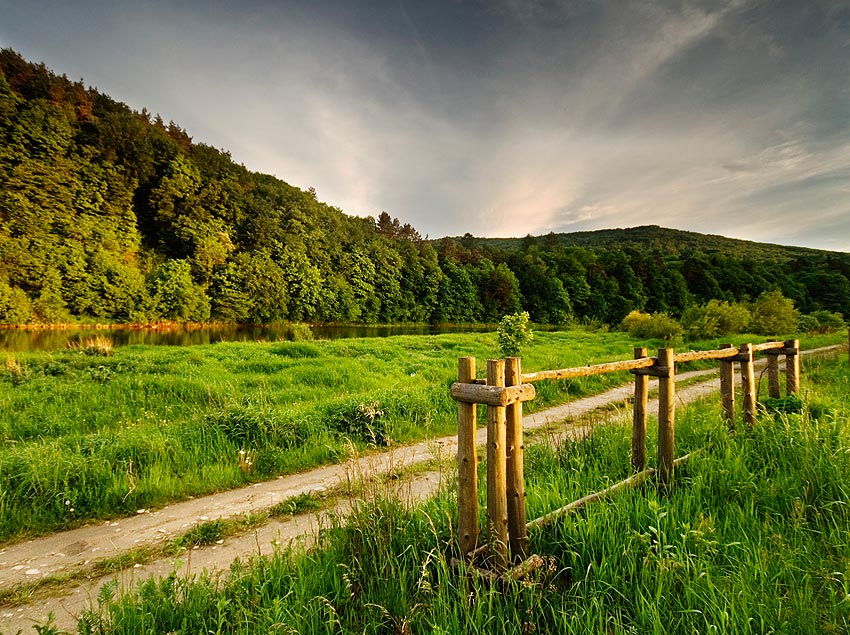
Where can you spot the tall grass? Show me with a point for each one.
(105, 431)
(753, 538)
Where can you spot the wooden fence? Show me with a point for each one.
(506, 388)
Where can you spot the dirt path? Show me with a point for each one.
(70, 551)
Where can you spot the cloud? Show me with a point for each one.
(497, 118)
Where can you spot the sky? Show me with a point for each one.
(496, 117)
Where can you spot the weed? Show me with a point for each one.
(93, 345)
(360, 421)
(206, 533)
(246, 461)
(16, 370)
(787, 405)
(295, 505)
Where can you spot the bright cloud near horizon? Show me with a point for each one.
(496, 117)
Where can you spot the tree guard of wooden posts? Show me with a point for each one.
(506, 388)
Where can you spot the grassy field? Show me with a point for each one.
(88, 436)
(752, 538)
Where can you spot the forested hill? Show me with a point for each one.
(661, 239)
(113, 215)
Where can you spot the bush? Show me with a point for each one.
(821, 322)
(651, 326)
(773, 314)
(715, 318)
(360, 421)
(514, 333)
(249, 425)
(299, 332)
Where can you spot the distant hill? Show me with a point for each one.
(112, 215)
(667, 241)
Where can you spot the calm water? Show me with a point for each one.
(49, 340)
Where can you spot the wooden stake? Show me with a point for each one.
(727, 388)
(748, 383)
(666, 416)
(467, 464)
(773, 376)
(639, 418)
(515, 466)
(497, 497)
(792, 367)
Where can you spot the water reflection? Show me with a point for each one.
(56, 339)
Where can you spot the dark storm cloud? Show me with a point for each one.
(500, 117)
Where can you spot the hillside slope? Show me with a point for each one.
(112, 215)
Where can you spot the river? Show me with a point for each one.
(51, 339)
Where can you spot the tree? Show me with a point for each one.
(773, 314)
(50, 306)
(543, 293)
(304, 284)
(715, 318)
(175, 295)
(458, 297)
(15, 306)
(498, 289)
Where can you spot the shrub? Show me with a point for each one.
(715, 318)
(821, 322)
(360, 421)
(635, 322)
(299, 332)
(773, 314)
(654, 326)
(514, 333)
(248, 426)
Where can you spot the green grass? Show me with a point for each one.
(752, 538)
(89, 436)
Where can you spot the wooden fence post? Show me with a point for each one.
(497, 497)
(467, 463)
(773, 374)
(748, 382)
(792, 367)
(517, 530)
(639, 418)
(727, 388)
(666, 415)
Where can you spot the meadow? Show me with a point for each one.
(94, 432)
(752, 538)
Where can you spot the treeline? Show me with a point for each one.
(606, 283)
(108, 214)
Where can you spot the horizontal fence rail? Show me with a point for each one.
(506, 388)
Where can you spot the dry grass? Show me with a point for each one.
(93, 345)
(17, 371)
